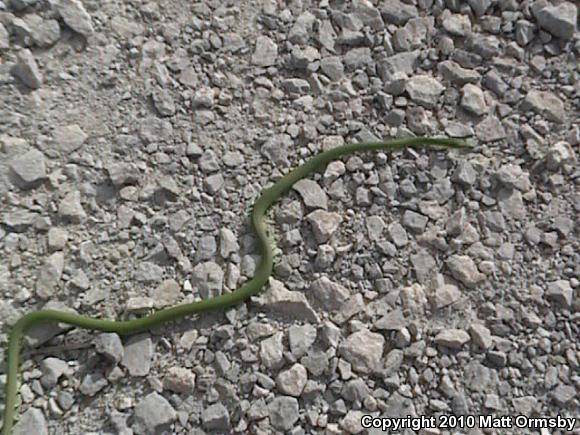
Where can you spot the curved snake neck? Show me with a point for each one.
(126, 327)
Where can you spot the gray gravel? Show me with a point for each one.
(135, 137)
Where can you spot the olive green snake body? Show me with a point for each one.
(126, 327)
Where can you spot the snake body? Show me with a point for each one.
(265, 246)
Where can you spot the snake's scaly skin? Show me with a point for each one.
(126, 327)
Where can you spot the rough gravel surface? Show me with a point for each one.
(135, 136)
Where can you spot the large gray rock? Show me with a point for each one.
(397, 12)
(311, 193)
(75, 16)
(546, 104)
(153, 415)
(26, 69)
(283, 412)
(31, 422)
(364, 350)
(216, 417)
(559, 20)
(293, 304)
(138, 354)
(265, 53)
(29, 169)
(70, 208)
(424, 90)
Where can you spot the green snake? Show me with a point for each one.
(267, 197)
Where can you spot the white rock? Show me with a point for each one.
(364, 350)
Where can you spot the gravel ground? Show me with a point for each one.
(135, 136)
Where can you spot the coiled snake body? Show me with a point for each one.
(126, 327)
